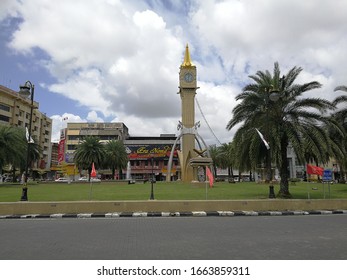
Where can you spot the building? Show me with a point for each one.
(143, 152)
(150, 155)
(75, 132)
(15, 111)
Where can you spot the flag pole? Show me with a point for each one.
(90, 191)
(206, 183)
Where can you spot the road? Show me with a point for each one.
(308, 237)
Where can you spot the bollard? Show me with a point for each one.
(24, 194)
(271, 192)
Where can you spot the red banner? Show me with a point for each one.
(209, 176)
(61, 151)
(93, 173)
(311, 169)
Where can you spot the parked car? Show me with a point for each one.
(83, 179)
(62, 180)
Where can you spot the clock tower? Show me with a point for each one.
(187, 91)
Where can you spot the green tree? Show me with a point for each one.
(90, 150)
(289, 119)
(226, 157)
(35, 153)
(214, 154)
(12, 146)
(340, 116)
(116, 156)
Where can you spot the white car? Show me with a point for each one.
(62, 180)
(85, 179)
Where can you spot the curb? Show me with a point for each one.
(174, 214)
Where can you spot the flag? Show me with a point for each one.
(262, 138)
(311, 169)
(93, 173)
(31, 140)
(209, 176)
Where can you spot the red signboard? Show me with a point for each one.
(61, 151)
(148, 151)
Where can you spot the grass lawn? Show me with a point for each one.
(163, 191)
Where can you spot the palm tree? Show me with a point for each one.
(214, 153)
(340, 115)
(225, 158)
(90, 150)
(116, 156)
(12, 146)
(35, 152)
(291, 119)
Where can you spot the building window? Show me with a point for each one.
(71, 147)
(4, 118)
(4, 107)
(73, 137)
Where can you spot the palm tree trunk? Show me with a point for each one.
(284, 184)
(113, 173)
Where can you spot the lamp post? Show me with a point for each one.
(26, 90)
(272, 95)
(152, 181)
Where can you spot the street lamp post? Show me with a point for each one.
(272, 95)
(152, 181)
(26, 90)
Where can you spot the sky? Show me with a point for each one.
(118, 61)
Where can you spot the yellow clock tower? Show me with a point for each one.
(187, 91)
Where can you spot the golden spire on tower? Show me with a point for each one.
(187, 61)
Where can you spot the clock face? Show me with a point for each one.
(188, 77)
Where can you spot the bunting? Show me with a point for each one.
(311, 169)
(209, 176)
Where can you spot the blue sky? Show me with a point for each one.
(114, 60)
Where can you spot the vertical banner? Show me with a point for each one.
(61, 146)
(61, 151)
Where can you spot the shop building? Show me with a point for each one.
(150, 155)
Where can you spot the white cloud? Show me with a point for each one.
(8, 8)
(93, 117)
(120, 59)
(60, 122)
(251, 35)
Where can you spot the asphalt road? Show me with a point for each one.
(309, 237)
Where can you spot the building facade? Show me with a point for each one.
(75, 132)
(15, 111)
(149, 156)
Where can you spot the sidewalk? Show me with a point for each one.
(174, 214)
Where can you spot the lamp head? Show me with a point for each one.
(24, 91)
(274, 95)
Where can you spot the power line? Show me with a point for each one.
(203, 116)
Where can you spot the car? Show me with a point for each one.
(62, 180)
(83, 179)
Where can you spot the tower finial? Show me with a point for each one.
(187, 61)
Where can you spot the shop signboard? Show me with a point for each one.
(146, 151)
